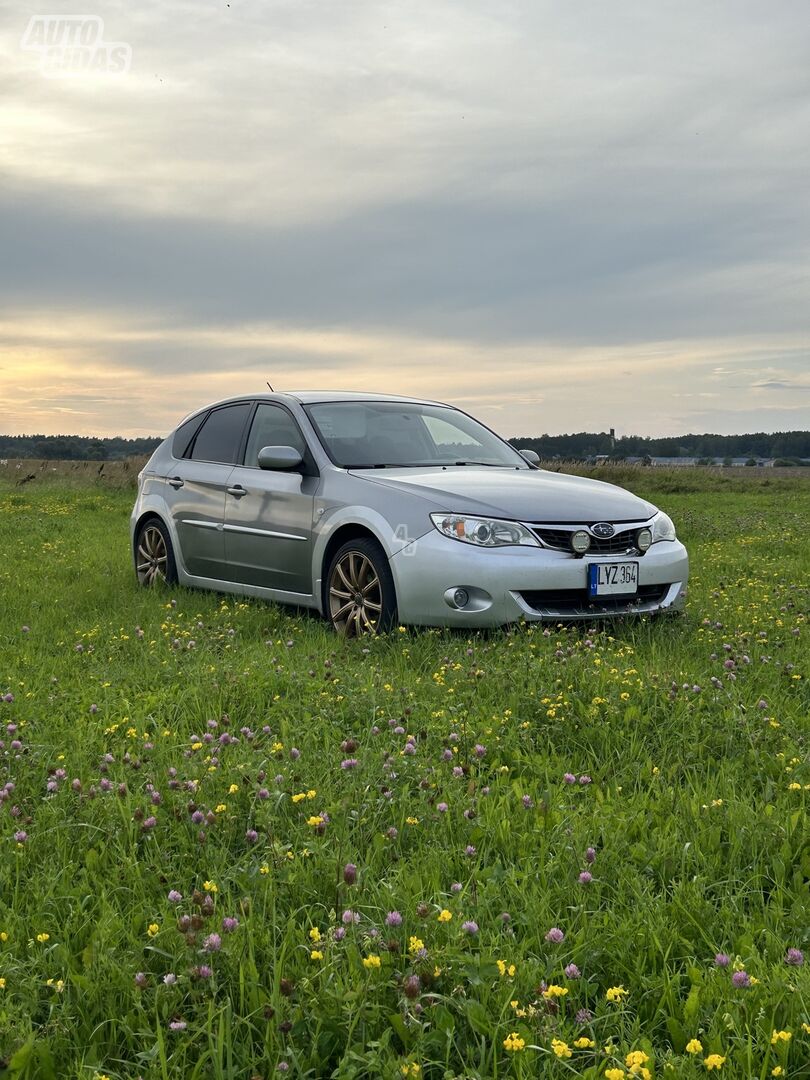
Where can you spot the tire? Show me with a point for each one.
(154, 555)
(359, 595)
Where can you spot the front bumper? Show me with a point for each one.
(532, 583)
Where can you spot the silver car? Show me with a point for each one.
(378, 510)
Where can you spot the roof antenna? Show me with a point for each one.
(272, 391)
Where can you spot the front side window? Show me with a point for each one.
(221, 434)
(369, 434)
(272, 426)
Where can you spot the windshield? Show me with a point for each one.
(375, 434)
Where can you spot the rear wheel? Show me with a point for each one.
(154, 556)
(360, 595)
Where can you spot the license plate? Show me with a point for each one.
(610, 579)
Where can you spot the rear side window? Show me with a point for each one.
(221, 434)
(184, 434)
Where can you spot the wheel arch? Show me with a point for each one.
(147, 515)
(350, 530)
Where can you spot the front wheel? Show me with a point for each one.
(360, 595)
(154, 556)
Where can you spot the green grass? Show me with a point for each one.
(701, 844)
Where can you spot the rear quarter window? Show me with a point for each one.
(184, 435)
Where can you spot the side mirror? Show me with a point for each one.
(530, 456)
(279, 457)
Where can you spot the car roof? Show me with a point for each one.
(312, 397)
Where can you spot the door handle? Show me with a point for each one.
(237, 490)
(177, 482)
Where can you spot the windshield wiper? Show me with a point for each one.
(489, 464)
(427, 465)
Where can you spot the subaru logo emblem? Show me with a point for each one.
(603, 530)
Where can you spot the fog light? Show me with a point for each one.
(643, 539)
(461, 598)
(580, 542)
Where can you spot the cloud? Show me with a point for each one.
(492, 205)
(779, 384)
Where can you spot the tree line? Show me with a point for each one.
(785, 445)
(74, 447)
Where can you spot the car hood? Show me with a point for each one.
(521, 494)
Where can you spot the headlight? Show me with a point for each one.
(484, 532)
(662, 528)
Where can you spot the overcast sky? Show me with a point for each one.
(562, 215)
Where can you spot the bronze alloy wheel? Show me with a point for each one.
(355, 595)
(153, 557)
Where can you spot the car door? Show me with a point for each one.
(268, 513)
(199, 483)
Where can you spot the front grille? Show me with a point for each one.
(578, 600)
(560, 540)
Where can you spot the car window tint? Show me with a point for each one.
(184, 435)
(220, 435)
(272, 426)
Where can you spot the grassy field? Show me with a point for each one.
(234, 846)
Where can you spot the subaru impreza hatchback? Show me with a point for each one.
(378, 510)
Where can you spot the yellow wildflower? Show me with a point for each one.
(316, 954)
(636, 1057)
(777, 1070)
(411, 820)
(506, 969)
(445, 915)
(232, 790)
(513, 1043)
(315, 820)
(2, 983)
(210, 886)
(584, 1043)
(299, 797)
(780, 1036)
(42, 938)
(372, 961)
(415, 944)
(554, 991)
(560, 1048)
(616, 994)
(3, 935)
(694, 1046)
(315, 934)
(153, 929)
(714, 1061)
(264, 869)
(614, 1074)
